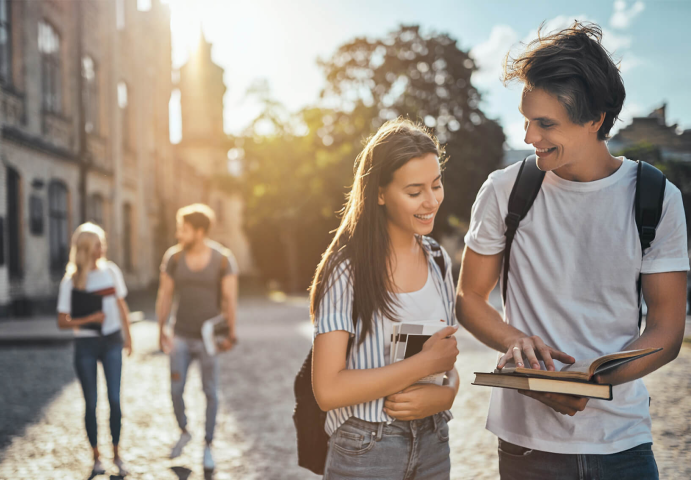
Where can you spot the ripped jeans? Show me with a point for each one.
(184, 351)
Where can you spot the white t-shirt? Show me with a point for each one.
(105, 276)
(423, 306)
(574, 264)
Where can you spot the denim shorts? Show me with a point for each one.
(520, 463)
(402, 450)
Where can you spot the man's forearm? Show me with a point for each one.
(163, 303)
(651, 338)
(484, 322)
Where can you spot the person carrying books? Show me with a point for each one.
(379, 269)
(203, 276)
(574, 265)
(91, 300)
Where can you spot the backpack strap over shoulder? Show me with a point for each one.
(523, 194)
(650, 196)
(437, 255)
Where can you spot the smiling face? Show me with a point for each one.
(559, 143)
(413, 197)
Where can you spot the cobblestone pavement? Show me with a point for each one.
(41, 415)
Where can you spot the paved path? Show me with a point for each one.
(41, 419)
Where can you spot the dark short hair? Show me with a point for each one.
(573, 66)
(198, 215)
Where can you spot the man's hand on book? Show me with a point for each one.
(565, 404)
(419, 401)
(532, 348)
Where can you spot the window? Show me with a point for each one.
(14, 223)
(120, 14)
(5, 36)
(58, 226)
(49, 47)
(90, 94)
(123, 103)
(95, 209)
(127, 236)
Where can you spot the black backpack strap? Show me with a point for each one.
(650, 195)
(523, 194)
(437, 255)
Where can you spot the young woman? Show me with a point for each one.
(89, 271)
(379, 270)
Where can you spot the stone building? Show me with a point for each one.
(673, 143)
(85, 87)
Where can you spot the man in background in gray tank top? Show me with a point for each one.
(202, 275)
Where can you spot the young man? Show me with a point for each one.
(203, 275)
(574, 265)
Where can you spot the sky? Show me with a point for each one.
(280, 41)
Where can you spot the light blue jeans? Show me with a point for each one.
(184, 351)
(403, 450)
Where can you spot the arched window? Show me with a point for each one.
(58, 215)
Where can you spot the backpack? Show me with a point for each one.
(650, 194)
(309, 419)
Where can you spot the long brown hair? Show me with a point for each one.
(362, 237)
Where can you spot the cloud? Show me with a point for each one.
(622, 17)
(489, 55)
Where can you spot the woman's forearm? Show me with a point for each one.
(65, 320)
(124, 317)
(352, 387)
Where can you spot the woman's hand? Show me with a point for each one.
(127, 345)
(419, 401)
(441, 350)
(97, 317)
(533, 347)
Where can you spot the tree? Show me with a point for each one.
(427, 78)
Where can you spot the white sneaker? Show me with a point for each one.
(185, 438)
(122, 469)
(208, 459)
(98, 468)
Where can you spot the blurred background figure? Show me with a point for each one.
(94, 284)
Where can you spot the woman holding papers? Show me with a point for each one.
(380, 271)
(94, 287)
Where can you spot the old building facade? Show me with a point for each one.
(85, 87)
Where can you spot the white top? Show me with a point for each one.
(423, 306)
(575, 261)
(335, 313)
(105, 276)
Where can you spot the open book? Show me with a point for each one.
(574, 379)
(584, 369)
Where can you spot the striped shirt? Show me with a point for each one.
(335, 313)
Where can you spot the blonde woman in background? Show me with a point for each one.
(99, 336)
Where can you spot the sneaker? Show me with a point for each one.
(208, 459)
(185, 438)
(98, 468)
(122, 469)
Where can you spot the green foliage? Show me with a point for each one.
(299, 167)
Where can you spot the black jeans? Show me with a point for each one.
(519, 463)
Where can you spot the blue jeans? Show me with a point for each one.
(403, 450)
(519, 463)
(87, 352)
(184, 351)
